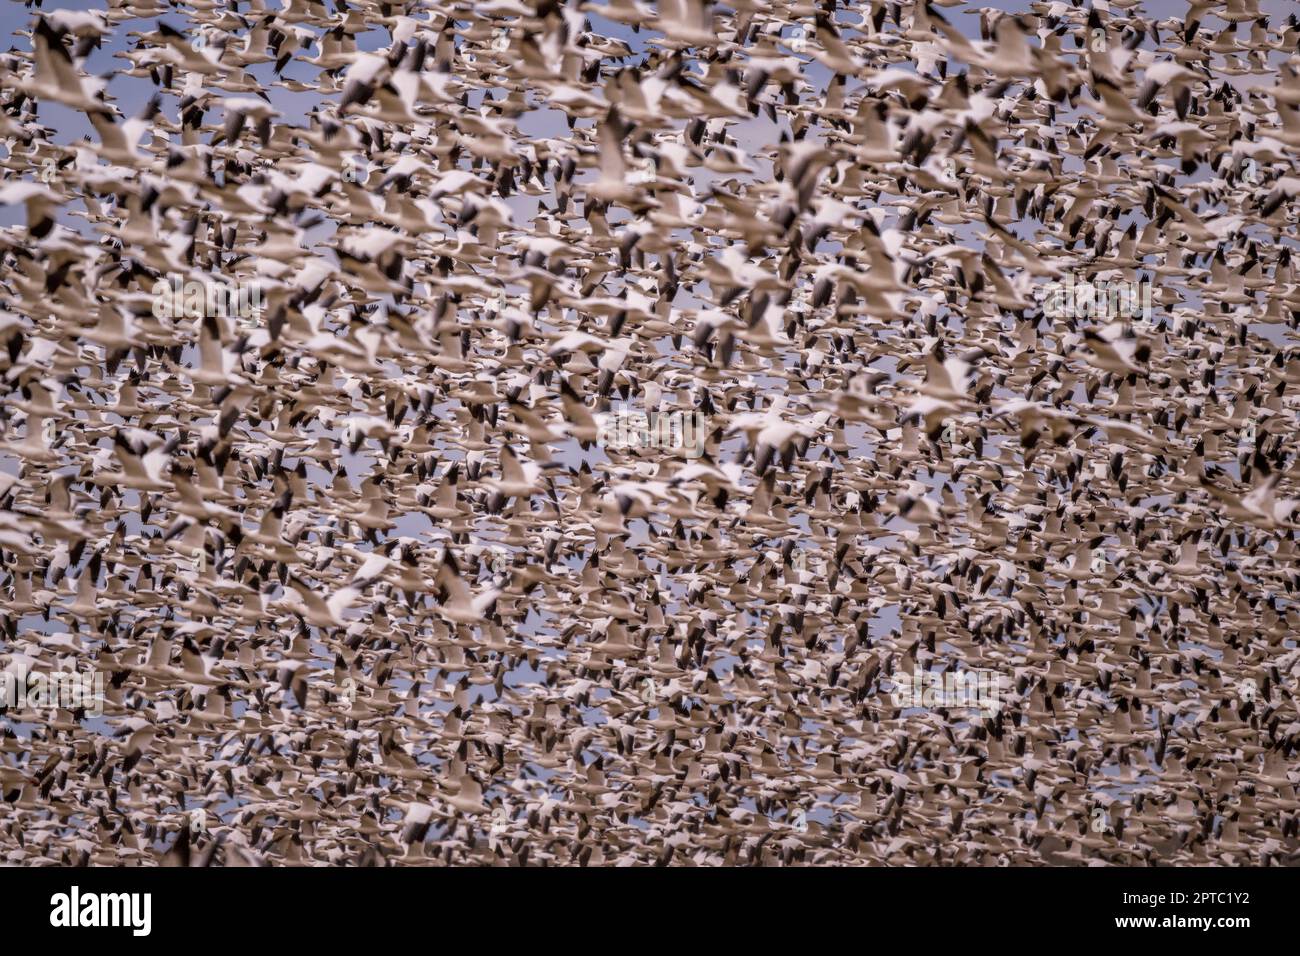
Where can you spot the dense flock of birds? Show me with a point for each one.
(367, 583)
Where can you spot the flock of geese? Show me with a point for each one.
(364, 580)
